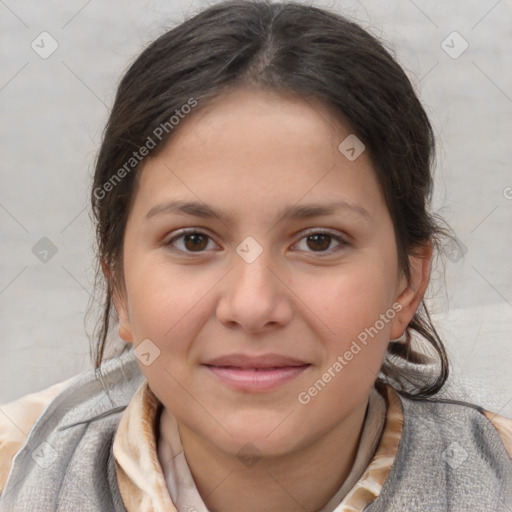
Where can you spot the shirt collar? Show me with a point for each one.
(139, 474)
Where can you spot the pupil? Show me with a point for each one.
(324, 238)
(195, 240)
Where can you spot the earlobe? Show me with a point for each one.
(124, 329)
(125, 333)
(412, 294)
(105, 269)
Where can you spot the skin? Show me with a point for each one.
(251, 153)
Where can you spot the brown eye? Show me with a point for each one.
(195, 241)
(190, 241)
(319, 242)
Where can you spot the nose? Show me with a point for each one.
(254, 295)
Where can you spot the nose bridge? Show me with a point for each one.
(254, 296)
(252, 264)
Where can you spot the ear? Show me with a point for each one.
(412, 293)
(124, 328)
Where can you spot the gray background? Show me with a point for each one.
(53, 112)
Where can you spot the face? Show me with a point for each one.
(257, 256)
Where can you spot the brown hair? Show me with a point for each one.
(286, 47)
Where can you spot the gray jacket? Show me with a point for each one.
(450, 457)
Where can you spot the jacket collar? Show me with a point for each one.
(142, 482)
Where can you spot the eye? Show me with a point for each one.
(192, 241)
(321, 240)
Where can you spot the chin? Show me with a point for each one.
(262, 438)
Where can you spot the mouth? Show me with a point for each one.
(252, 374)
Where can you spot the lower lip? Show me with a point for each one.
(256, 380)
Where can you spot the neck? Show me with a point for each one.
(303, 480)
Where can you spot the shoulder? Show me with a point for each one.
(17, 419)
(449, 451)
(459, 416)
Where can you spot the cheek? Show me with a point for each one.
(164, 300)
(352, 304)
(353, 299)
(355, 345)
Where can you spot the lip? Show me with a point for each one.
(255, 373)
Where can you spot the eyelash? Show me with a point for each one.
(190, 231)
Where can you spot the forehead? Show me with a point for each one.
(262, 114)
(259, 145)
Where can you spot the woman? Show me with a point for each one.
(262, 206)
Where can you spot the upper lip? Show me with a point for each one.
(262, 361)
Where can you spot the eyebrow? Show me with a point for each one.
(197, 209)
